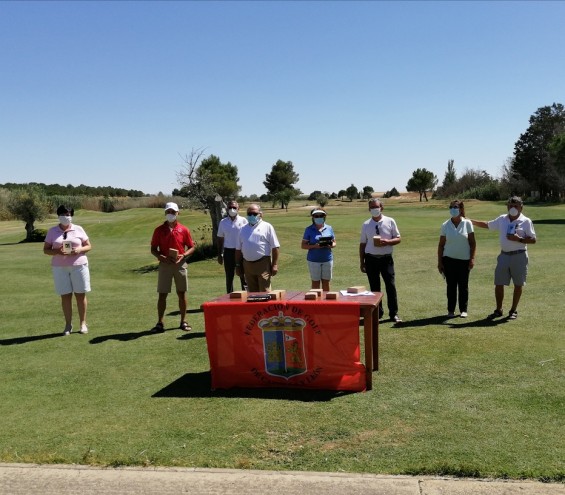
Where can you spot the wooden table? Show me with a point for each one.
(368, 310)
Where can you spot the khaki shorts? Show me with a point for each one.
(511, 267)
(168, 272)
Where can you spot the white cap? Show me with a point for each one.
(172, 206)
(317, 212)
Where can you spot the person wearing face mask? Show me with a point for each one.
(171, 244)
(228, 233)
(515, 232)
(456, 257)
(257, 251)
(68, 244)
(320, 256)
(378, 236)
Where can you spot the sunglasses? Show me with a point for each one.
(253, 214)
(319, 216)
(64, 236)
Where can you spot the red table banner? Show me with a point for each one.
(292, 344)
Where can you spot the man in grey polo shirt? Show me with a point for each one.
(515, 232)
(257, 251)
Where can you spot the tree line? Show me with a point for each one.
(81, 190)
(535, 171)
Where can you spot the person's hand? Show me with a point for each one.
(238, 270)
(513, 237)
(274, 270)
(384, 242)
(76, 250)
(362, 267)
(220, 259)
(471, 263)
(440, 267)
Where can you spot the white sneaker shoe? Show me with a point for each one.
(463, 314)
(68, 329)
(83, 329)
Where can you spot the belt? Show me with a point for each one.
(378, 255)
(510, 253)
(255, 261)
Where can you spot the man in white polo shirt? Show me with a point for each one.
(228, 234)
(257, 251)
(515, 232)
(378, 236)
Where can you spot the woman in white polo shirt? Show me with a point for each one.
(456, 257)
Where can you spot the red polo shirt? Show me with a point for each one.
(176, 238)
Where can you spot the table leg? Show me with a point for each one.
(375, 339)
(369, 345)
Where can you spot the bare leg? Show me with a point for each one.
(81, 305)
(161, 306)
(499, 296)
(516, 297)
(67, 305)
(182, 305)
(325, 285)
(315, 284)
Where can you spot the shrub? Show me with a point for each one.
(37, 235)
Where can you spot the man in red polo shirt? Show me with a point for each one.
(171, 245)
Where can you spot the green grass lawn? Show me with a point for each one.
(461, 397)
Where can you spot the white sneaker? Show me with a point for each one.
(83, 329)
(68, 329)
(463, 314)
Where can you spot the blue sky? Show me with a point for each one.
(363, 93)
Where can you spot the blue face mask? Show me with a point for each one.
(253, 219)
(454, 212)
(319, 221)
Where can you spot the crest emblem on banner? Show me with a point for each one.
(283, 345)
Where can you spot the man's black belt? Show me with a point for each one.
(510, 253)
(378, 255)
(255, 261)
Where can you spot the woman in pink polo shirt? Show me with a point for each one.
(68, 244)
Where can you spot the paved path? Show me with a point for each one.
(31, 479)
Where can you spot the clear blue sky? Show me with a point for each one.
(110, 93)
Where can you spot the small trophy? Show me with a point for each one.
(67, 247)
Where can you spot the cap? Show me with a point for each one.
(172, 206)
(317, 212)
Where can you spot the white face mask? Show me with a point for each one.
(513, 212)
(375, 212)
(64, 220)
(232, 212)
(171, 217)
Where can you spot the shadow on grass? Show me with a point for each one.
(451, 321)
(193, 385)
(553, 221)
(189, 311)
(32, 338)
(126, 337)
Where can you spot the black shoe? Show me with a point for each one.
(158, 328)
(495, 314)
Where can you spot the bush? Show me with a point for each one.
(37, 235)
(203, 251)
